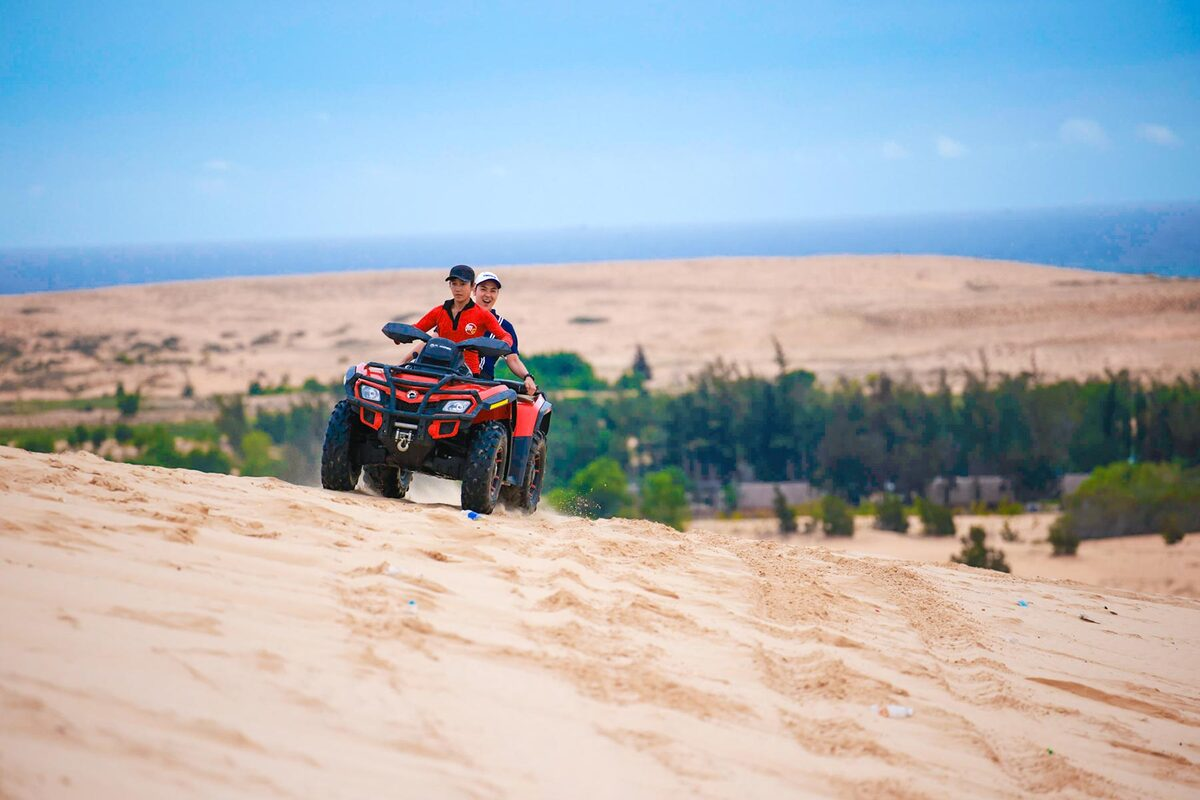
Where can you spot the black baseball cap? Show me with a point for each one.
(462, 272)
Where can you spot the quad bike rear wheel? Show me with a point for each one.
(526, 496)
(339, 462)
(387, 481)
(484, 473)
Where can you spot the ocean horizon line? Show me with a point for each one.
(1161, 238)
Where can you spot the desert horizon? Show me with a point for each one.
(838, 316)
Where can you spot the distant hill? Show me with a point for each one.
(1162, 239)
(839, 316)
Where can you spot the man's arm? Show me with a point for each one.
(417, 348)
(521, 371)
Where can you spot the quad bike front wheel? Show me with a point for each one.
(387, 481)
(484, 474)
(339, 462)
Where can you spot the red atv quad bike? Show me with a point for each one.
(433, 416)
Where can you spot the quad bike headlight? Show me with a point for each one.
(371, 393)
(456, 406)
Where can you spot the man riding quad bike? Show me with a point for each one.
(432, 415)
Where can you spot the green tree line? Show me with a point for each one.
(882, 434)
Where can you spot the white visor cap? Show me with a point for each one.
(488, 276)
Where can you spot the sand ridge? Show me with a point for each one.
(837, 315)
(1136, 563)
(202, 635)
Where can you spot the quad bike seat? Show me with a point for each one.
(442, 356)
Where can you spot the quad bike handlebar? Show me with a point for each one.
(403, 333)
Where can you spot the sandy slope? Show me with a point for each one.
(1136, 563)
(168, 633)
(836, 315)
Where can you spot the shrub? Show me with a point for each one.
(936, 520)
(836, 519)
(256, 451)
(127, 404)
(664, 498)
(890, 514)
(231, 419)
(157, 448)
(209, 459)
(600, 489)
(1123, 499)
(1009, 508)
(558, 371)
(77, 436)
(787, 517)
(564, 500)
(122, 433)
(1172, 529)
(1008, 534)
(99, 436)
(1062, 538)
(313, 385)
(975, 554)
(37, 441)
(729, 497)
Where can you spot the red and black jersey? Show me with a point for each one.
(472, 321)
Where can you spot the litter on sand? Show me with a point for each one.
(892, 711)
(1086, 618)
(1023, 603)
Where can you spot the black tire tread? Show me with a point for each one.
(481, 462)
(531, 495)
(339, 468)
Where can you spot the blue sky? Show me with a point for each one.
(131, 122)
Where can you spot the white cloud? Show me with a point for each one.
(950, 148)
(1086, 132)
(1158, 134)
(217, 165)
(893, 150)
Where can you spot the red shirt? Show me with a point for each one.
(472, 321)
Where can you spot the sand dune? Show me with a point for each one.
(1137, 563)
(170, 633)
(836, 315)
